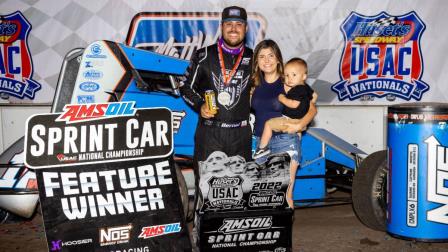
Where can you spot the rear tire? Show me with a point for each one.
(183, 190)
(369, 191)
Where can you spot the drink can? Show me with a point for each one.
(210, 100)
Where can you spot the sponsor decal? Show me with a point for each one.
(63, 158)
(92, 74)
(158, 230)
(115, 235)
(178, 116)
(96, 52)
(58, 245)
(381, 58)
(437, 191)
(238, 225)
(88, 112)
(89, 86)
(83, 99)
(16, 68)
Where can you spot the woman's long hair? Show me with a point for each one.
(257, 74)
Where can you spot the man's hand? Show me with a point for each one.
(205, 112)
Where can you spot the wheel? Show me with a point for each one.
(183, 190)
(369, 191)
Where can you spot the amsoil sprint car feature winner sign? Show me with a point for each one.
(97, 133)
(106, 179)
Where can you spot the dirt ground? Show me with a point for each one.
(330, 228)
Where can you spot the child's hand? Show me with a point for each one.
(281, 97)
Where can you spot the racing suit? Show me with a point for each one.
(229, 131)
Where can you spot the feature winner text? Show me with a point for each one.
(109, 192)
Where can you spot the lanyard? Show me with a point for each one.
(227, 78)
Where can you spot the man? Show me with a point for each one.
(224, 68)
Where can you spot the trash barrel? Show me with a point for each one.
(418, 171)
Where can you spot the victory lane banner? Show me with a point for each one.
(97, 133)
(121, 206)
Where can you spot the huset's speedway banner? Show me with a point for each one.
(123, 196)
(359, 52)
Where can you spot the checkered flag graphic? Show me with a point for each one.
(386, 21)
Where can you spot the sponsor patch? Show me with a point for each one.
(158, 230)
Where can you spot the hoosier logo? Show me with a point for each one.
(16, 68)
(381, 57)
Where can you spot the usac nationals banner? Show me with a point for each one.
(130, 204)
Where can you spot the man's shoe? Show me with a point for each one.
(261, 152)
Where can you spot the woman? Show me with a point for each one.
(267, 79)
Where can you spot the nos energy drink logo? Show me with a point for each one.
(437, 180)
(179, 34)
(16, 68)
(381, 57)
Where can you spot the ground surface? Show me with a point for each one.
(333, 228)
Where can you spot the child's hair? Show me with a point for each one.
(299, 61)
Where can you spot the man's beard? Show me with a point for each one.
(233, 44)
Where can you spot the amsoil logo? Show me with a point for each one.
(115, 235)
(237, 225)
(159, 31)
(381, 58)
(158, 230)
(88, 112)
(16, 68)
(437, 180)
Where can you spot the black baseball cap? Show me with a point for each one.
(234, 13)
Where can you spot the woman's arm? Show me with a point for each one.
(301, 126)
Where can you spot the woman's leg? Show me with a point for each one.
(292, 178)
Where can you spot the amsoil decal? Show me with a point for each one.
(381, 58)
(267, 230)
(158, 230)
(16, 67)
(437, 180)
(179, 34)
(97, 133)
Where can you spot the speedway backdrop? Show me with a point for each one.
(359, 52)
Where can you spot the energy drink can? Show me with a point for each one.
(210, 100)
(418, 179)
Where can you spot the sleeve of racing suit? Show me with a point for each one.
(190, 87)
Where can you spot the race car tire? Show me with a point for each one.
(183, 190)
(369, 191)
